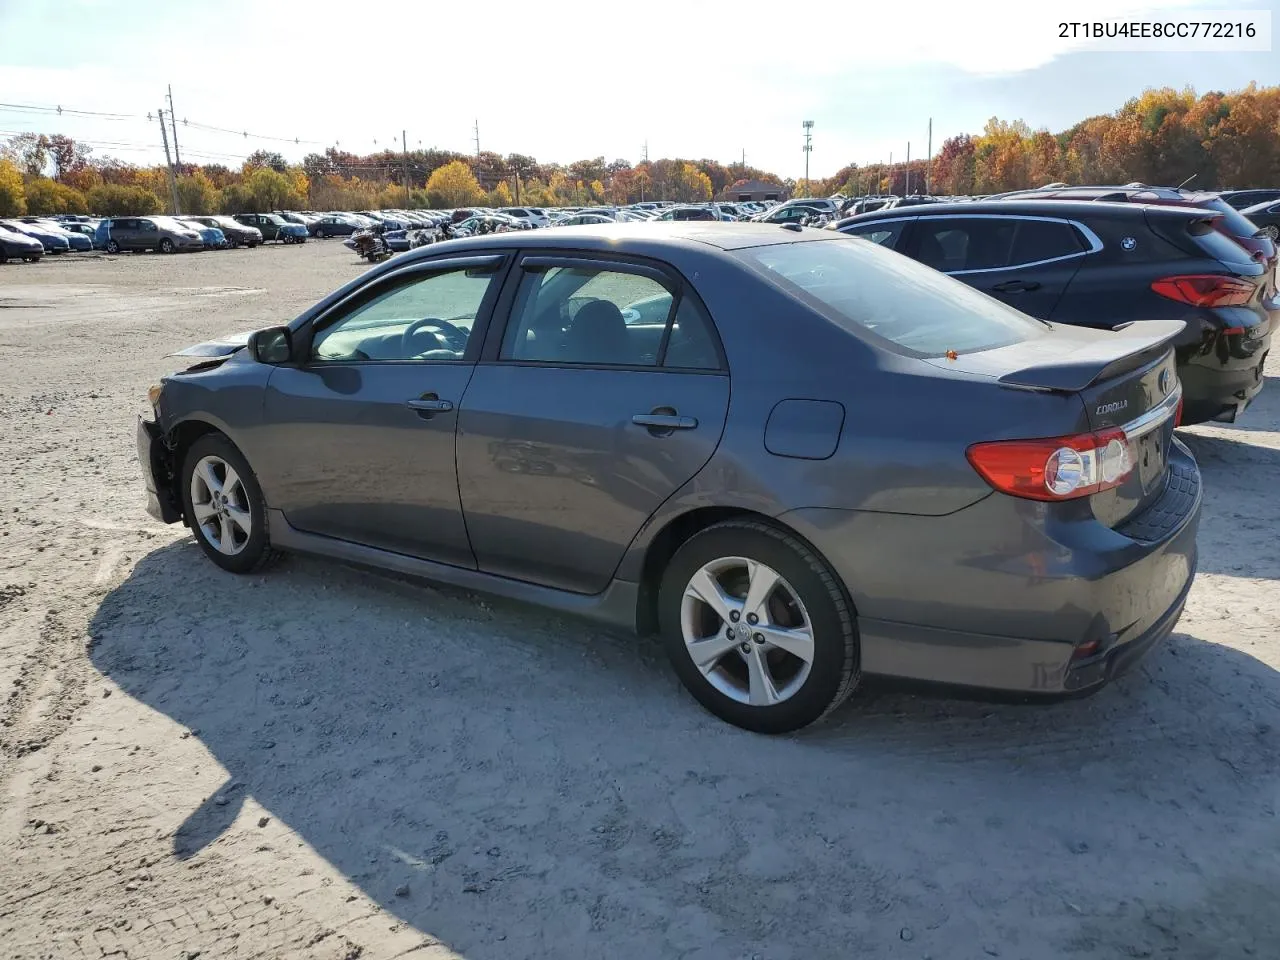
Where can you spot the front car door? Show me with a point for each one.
(605, 392)
(1026, 261)
(361, 434)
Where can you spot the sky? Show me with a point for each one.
(573, 80)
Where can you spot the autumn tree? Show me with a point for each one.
(499, 196)
(45, 197)
(265, 159)
(13, 194)
(454, 185)
(688, 183)
(115, 200)
(197, 194)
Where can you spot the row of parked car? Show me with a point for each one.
(1105, 256)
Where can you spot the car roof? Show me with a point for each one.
(1060, 209)
(646, 238)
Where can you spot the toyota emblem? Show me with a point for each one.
(1163, 382)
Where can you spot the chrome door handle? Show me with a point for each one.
(430, 406)
(659, 421)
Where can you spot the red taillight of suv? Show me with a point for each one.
(1055, 468)
(1205, 290)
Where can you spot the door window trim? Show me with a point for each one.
(1095, 244)
(372, 289)
(503, 314)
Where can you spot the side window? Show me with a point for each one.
(885, 234)
(692, 344)
(581, 314)
(422, 317)
(951, 244)
(1039, 240)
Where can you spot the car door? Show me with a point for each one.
(582, 418)
(125, 233)
(1025, 261)
(359, 436)
(147, 236)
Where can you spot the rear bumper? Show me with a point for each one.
(160, 498)
(999, 596)
(1212, 392)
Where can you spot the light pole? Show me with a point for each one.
(808, 149)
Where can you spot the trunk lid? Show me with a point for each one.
(1126, 380)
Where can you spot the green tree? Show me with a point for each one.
(13, 195)
(454, 185)
(45, 196)
(116, 200)
(267, 190)
(197, 193)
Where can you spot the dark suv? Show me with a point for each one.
(1103, 264)
(1232, 223)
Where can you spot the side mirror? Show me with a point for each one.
(273, 345)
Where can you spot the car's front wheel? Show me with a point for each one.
(223, 505)
(757, 627)
(166, 246)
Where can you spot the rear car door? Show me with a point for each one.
(361, 433)
(125, 232)
(606, 392)
(1025, 261)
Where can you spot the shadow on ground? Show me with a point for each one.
(544, 788)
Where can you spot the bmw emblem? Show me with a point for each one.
(1129, 243)
(1163, 382)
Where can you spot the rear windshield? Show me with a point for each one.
(1236, 223)
(869, 290)
(1219, 245)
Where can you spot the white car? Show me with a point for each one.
(532, 215)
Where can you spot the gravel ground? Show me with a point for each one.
(325, 763)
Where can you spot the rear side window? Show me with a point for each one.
(905, 305)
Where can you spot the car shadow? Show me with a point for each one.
(1263, 412)
(538, 786)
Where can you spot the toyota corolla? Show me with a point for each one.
(799, 458)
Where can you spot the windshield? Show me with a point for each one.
(870, 290)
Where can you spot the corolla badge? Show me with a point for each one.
(1115, 407)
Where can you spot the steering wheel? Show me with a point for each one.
(454, 335)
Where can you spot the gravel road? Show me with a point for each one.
(320, 762)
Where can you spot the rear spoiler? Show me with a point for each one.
(1132, 345)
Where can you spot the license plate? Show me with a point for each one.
(1151, 454)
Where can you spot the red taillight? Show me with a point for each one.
(1205, 290)
(1056, 468)
(1177, 414)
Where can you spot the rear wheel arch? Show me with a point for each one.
(678, 531)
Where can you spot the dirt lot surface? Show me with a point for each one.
(319, 762)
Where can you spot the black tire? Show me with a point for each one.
(835, 668)
(256, 551)
(31, 259)
(166, 245)
(4, 257)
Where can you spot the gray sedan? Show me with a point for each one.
(798, 457)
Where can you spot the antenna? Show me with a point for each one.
(1188, 180)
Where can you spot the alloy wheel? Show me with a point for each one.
(221, 505)
(747, 631)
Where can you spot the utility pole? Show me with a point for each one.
(173, 122)
(404, 166)
(173, 183)
(808, 149)
(477, 138)
(907, 190)
(928, 164)
(890, 174)
(517, 172)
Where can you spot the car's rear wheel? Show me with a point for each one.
(223, 505)
(757, 627)
(166, 245)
